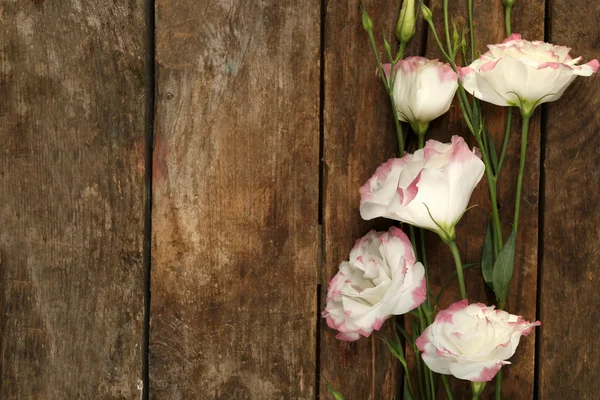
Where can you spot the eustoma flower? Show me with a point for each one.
(429, 189)
(472, 342)
(380, 279)
(521, 73)
(423, 90)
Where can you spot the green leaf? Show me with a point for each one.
(407, 337)
(487, 257)
(503, 269)
(396, 348)
(334, 393)
(452, 276)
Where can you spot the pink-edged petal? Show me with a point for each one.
(479, 371)
(587, 69)
(514, 36)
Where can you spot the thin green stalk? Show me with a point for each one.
(447, 26)
(432, 383)
(525, 131)
(428, 373)
(447, 388)
(459, 268)
(499, 385)
(407, 372)
(507, 11)
(413, 240)
(437, 39)
(423, 255)
(422, 375)
(390, 92)
(505, 143)
(471, 30)
(493, 198)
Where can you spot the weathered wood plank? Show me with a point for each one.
(235, 209)
(528, 19)
(72, 148)
(569, 306)
(359, 135)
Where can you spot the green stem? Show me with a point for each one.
(459, 268)
(407, 372)
(422, 369)
(505, 144)
(507, 11)
(447, 26)
(413, 240)
(499, 385)
(423, 255)
(439, 43)
(477, 388)
(390, 92)
(432, 383)
(493, 198)
(428, 374)
(421, 139)
(524, 133)
(447, 388)
(471, 30)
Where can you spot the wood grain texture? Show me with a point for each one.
(528, 19)
(72, 148)
(235, 209)
(568, 359)
(359, 135)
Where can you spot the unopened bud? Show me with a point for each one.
(427, 15)
(455, 35)
(508, 3)
(406, 27)
(367, 22)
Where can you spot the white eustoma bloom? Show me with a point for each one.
(521, 73)
(380, 279)
(430, 188)
(423, 90)
(472, 342)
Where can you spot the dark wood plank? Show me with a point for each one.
(528, 19)
(359, 135)
(72, 151)
(235, 213)
(569, 308)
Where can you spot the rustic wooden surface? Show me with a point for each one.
(235, 210)
(359, 135)
(244, 108)
(568, 360)
(528, 19)
(72, 148)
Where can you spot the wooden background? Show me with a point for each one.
(179, 180)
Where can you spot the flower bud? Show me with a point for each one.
(427, 15)
(455, 35)
(508, 3)
(367, 22)
(405, 28)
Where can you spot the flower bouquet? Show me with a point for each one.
(387, 273)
